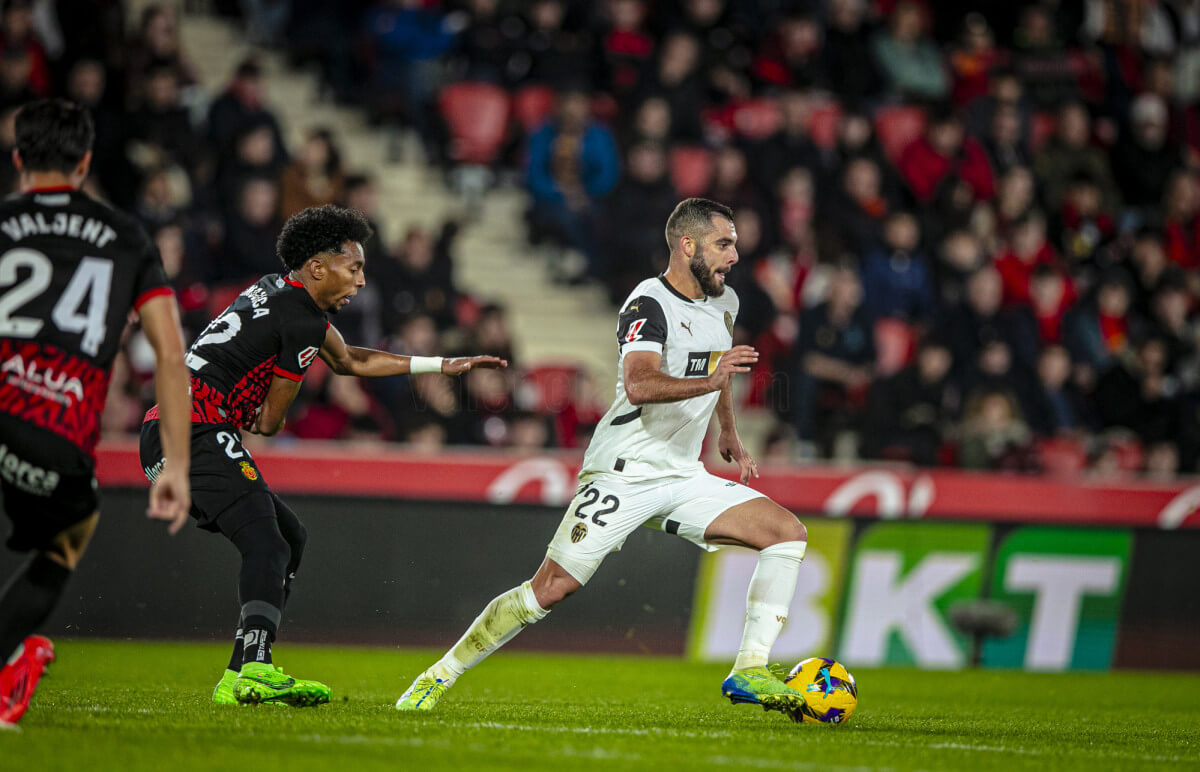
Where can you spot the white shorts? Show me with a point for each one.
(607, 509)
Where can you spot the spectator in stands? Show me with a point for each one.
(490, 333)
(849, 59)
(553, 53)
(162, 126)
(156, 206)
(419, 278)
(253, 153)
(315, 177)
(897, 280)
(639, 203)
(1050, 296)
(15, 70)
(241, 105)
(1082, 226)
(1069, 153)
(1028, 249)
(1004, 88)
(1145, 157)
(835, 352)
(1041, 60)
(1056, 406)
(1005, 145)
(982, 319)
(959, 257)
(528, 432)
(87, 85)
(731, 182)
(791, 56)
(1179, 329)
(248, 251)
(361, 192)
(485, 46)
(489, 406)
(854, 217)
(156, 46)
(1100, 332)
(1015, 199)
(945, 156)
(679, 81)
(1137, 393)
(994, 435)
(408, 39)
(1181, 211)
(788, 147)
(1148, 260)
(573, 166)
(651, 122)
(910, 412)
(909, 59)
(19, 36)
(972, 61)
(626, 48)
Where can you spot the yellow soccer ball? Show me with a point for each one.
(830, 693)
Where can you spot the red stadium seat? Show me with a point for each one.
(894, 344)
(756, 119)
(824, 125)
(533, 106)
(605, 108)
(1041, 129)
(1062, 456)
(550, 387)
(477, 117)
(897, 127)
(691, 170)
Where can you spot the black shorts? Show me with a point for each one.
(223, 473)
(48, 483)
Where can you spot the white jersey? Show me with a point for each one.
(663, 439)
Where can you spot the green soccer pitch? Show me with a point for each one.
(135, 705)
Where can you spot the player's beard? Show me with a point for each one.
(705, 275)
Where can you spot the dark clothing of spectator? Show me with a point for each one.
(1124, 399)
(822, 406)
(230, 114)
(635, 248)
(1054, 411)
(907, 416)
(1058, 164)
(968, 332)
(1141, 173)
(850, 65)
(248, 250)
(898, 285)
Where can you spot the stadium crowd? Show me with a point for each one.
(969, 231)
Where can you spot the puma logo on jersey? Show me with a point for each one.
(686, 326)
(634, 306)
(46, 384)
(307, 356)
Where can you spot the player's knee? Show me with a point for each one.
(296, 541)
(260, 541)
(550, 589)
(787, 527)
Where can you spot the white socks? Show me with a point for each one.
(499, 623)
(768, 601)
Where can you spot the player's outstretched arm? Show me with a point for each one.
(271, 415)
(372, 363)
(646, 384)
(170, 496)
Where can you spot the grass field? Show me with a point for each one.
(133, 706)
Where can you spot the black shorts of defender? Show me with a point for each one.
(48, 484)
(223, 475)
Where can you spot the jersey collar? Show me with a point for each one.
(673, 291)
(52, 189)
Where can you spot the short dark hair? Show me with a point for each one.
(317, 230)
(53, 135)
(693, 217)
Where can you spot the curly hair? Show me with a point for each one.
(317, 230)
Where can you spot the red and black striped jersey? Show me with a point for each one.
(273, 328)
(71, 269)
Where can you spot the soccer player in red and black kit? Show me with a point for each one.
(71, 270)
(246, 369)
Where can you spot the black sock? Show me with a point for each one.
(256, 645)
(27, 600)
(235, 659)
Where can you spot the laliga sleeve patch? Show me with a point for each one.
(307, 356)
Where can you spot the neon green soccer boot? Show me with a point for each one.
(759, 686)
(223, 694)
(424, 692)
(259, 683)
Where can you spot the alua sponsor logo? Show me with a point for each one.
(45, 383)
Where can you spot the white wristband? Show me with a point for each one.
(421, 365)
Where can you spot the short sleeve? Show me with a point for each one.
(642, 326)
(300, 340)
(151, 279)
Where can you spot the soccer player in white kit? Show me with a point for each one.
(676, 364)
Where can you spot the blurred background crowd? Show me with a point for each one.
(969, 231)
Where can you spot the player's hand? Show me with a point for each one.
(736, 360)
(460, 365)
(730, 445)
(170, 499)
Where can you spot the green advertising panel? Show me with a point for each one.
(719, 608)
(1066, 587)
(905, 577)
